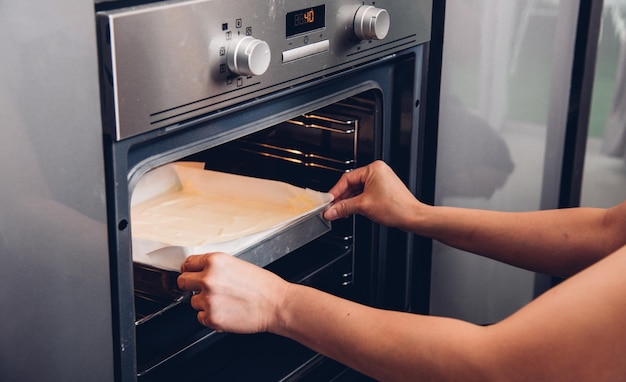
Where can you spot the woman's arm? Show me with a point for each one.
(575, 331)
(236, 296)
(559, 242)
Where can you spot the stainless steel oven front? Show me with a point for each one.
(297, 91)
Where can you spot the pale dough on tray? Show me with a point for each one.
(191, 218)
(181, 209)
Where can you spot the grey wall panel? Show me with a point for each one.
(55, 295)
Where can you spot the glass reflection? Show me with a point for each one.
(604, 179)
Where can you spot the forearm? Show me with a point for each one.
(559, 242)
(383, 344)
(545, 340)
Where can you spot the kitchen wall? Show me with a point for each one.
(56, 290)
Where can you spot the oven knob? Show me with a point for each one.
(248, 56)
(371, 23)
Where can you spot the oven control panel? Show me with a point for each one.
(168, 62)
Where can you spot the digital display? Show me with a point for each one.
(306, 20)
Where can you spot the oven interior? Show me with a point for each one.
(311, 150)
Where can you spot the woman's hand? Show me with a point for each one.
(376, 192)
(231, 294)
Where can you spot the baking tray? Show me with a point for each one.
(155, 277)
(161, 283)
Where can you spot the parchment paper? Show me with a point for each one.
(181, 209)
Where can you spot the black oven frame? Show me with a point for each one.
(401, 82)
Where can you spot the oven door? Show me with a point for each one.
(308, 136)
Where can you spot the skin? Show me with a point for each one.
(575, 331)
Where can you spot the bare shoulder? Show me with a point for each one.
(583, 318)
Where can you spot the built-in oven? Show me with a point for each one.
(299, 92)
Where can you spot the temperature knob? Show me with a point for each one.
(248, 56)
(371, 23)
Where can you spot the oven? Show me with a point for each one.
(299, 92)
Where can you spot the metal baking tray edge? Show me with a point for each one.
(292, 237)
(161, 284)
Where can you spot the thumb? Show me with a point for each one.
(340, 209)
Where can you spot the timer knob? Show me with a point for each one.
(248, 56)
(371, 23)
